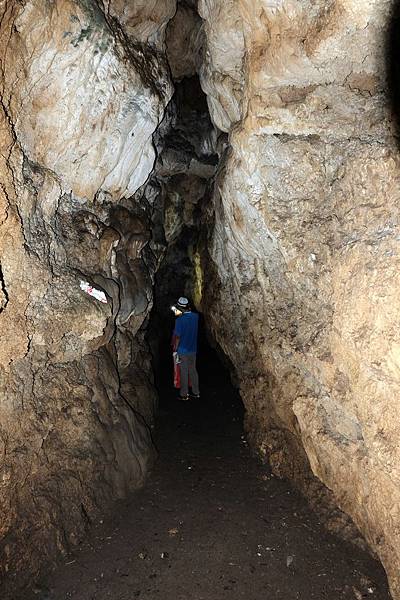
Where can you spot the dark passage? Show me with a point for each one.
(212, 523)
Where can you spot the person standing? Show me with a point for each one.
(185, 344)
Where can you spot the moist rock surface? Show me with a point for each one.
(81, 97)
(297, 268)
(303, 266)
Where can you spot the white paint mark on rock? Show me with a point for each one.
(92, 291)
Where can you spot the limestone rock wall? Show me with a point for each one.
(80, 100)
(222, 69)
(299, 278)
(303, 261)
(187, 161)
(184, 39)
(144, 21)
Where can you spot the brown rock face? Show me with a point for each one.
(304, 251)
(298, 274)
(184, 41)
(79, 104)
(143, 20)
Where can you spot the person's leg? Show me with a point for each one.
(193, 375)
(184, 364)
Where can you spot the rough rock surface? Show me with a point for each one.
(184, 38)
(143, 20)
(303, 267)
(299, 275)
(187, 160)
(221, 73)
(79, 104)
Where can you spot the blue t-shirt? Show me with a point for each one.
(186, 328)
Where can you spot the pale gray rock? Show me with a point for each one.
(82, 108)
(184, 39)
(143, 20)
(221, 73)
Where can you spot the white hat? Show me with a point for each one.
(182, 302)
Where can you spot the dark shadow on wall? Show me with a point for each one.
(393, 66)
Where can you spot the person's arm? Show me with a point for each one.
(176, 342)
(177, 334)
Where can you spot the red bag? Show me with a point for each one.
(177, 375)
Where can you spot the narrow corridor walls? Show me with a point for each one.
(297, 269)
(81, 96)
(304, 252)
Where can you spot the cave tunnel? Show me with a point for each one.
(245, 155)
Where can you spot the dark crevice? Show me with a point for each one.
(185, 169)
(4, 290)
(149, 62)
(393, 66)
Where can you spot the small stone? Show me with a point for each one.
(289, 560)
(357, 593)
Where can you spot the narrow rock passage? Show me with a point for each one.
(212, 523)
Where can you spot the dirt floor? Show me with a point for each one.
(212, 524)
